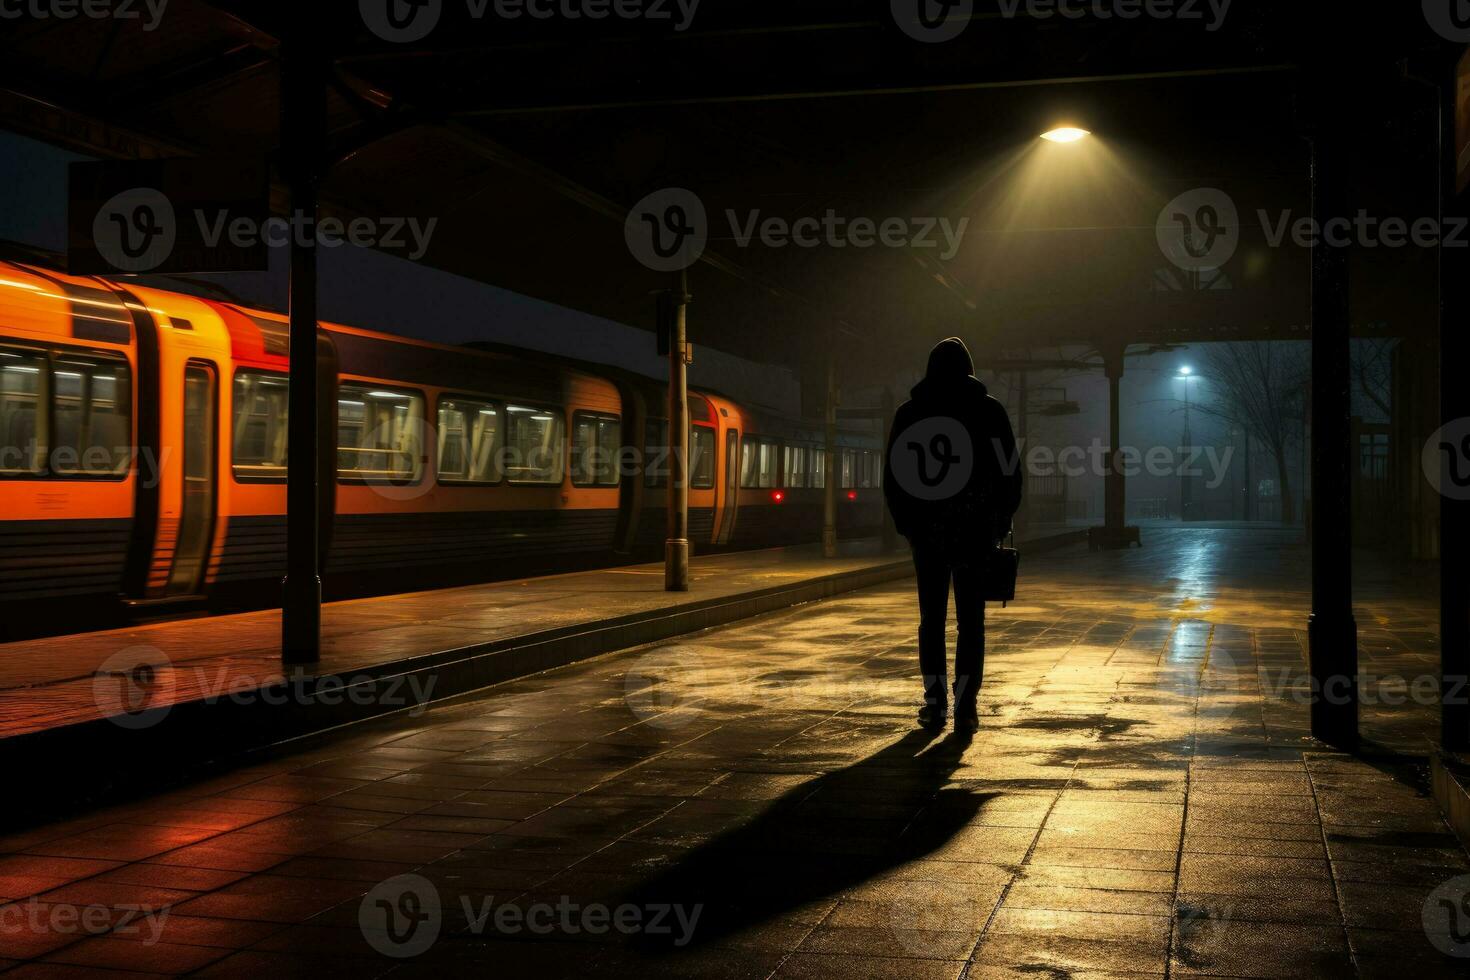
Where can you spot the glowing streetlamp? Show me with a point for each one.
(1065, 134)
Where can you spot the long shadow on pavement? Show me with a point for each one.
(827, 836)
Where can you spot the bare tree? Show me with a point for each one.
(1261, 386)
(1372, 361)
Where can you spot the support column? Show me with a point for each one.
(1454, 515)
(1114, 533)
(1023, 435)
(1186, 449)
(304, 71)
(676, 547)
(1332, 631)
(829, 495)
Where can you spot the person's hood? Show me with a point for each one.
(951, 369)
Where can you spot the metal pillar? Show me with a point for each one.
(1454, 515)
(1186, 447)
(1332, 631)
(676, 547)
(304, 73)
(829, 496)
(1022, 520)
(1114, 533)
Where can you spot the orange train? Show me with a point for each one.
(143, 435)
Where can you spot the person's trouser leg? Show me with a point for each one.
(933, 574)
(969, 654)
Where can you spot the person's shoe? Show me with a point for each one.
(932, 716)
(967, 721)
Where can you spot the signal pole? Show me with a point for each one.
(676, 547)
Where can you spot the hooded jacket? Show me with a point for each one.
(979, 513)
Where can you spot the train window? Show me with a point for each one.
(656, 453)
(261, 402)
(867, 471)
(535, 442)
(22, 422)
(819, 469)
(701, 458)
(759, 460)
(379, 434)
(90, 403)
(468, 434)
(596, 442)
(770, 461)
(798, 459)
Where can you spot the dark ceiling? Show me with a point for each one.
(530, 140)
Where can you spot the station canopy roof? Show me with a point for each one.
(530, 139)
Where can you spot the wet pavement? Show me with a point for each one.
(755, 801)
(53, 682)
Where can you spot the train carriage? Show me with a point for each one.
(144, 440)
(70, 415)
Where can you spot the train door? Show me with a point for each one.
(200, 471)
(732, 486)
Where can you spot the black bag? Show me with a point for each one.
(1001, 568)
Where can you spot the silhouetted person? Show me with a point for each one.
(952, 479)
